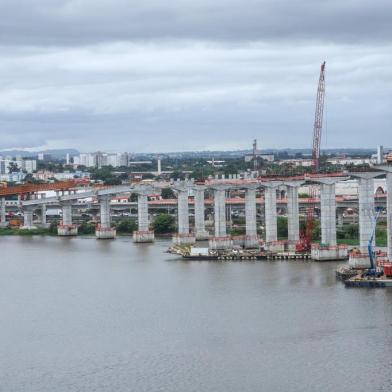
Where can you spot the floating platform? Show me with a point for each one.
(369, 282)
(195, 253)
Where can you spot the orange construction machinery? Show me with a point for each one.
(32, 188)
(305, 242)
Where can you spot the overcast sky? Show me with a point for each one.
(158, 76)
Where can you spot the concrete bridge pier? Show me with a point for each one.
(183, 237)
(3, 219)
(143, 234)
(251, 239)
(388, 170)
(271, 215)
(220, 240)
(366, 216)
(44, 223)
(66, 228)
(389, 214)
(28, 218)
(292, 214)
(104, 231)
(200, 229)
(328, 249)
(271, 229)
(328, 214)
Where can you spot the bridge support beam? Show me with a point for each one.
(200, 230)
(104, 230)
(183, 237)
(28, 219)
(220, 240)
(388, 170)
(3, 219)
(292, 214)
(44, 223)
(66, 228)
(366, 212)
(271, 229)
(366, 216)
(251, 240)
(389, 214)
(143, 234)
(328, 214)
(328, 249)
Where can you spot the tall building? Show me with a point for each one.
(101, 159)
(25, 165)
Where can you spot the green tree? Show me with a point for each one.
(164, 223)
(113, 181)
(13, 167)
(127, 226)
(86, 228)
(167, 193)
(282, 227)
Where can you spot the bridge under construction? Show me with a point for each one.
(67, 194)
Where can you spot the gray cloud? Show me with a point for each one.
(110, 74)
(94, 21)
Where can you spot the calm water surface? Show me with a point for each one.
(86, 315)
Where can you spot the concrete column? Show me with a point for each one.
(28, 218)
(220, 212)
(389, 214)
(250, 212)
(66, 228)
(251, 240)
(271, 229)
(104, 208)
(201, 233)
(292, 213)
(220, 239)
(142, 212)
(67, 214)
(366, 211)
(3, 220)
(43, 214)
(328, 214)
(143, 234)
(183, 237)
(183, 212)
(104, 231)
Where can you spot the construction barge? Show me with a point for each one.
(193, 253)
(378, 277)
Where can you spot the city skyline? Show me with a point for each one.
(94, 74)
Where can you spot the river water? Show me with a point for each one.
(85, 315)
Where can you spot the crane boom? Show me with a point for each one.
(318, 120)
(305, 242)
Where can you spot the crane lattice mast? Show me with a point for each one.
(318, 120)
(305, 242)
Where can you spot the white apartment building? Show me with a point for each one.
(25, 165)
(100, 159)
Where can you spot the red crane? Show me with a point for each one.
(305, 241)
(318, 120)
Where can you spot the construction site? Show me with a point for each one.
(257, 194)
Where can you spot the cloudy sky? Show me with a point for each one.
(156, 76)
